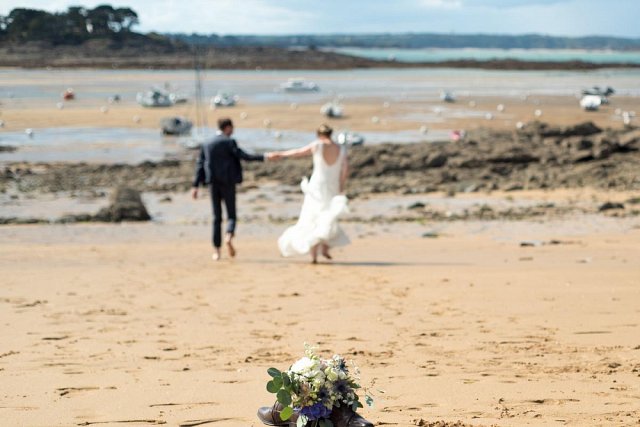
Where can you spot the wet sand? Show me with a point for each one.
(361, 115)
(135, 324)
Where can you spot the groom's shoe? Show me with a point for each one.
(346, 417)
(270, 415)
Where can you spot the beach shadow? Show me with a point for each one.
(356, 263)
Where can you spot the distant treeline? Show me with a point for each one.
(75, 26)
(78, 24)
(415, 40)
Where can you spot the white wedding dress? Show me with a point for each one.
(323, 204)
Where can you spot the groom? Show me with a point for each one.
(219, 166)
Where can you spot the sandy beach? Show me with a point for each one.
(134, 325)
(490, 282)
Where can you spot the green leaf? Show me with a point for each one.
(273, 372)
(284, 397)
(286, 413)
(286, 381)
(369, 400)
(272, 387)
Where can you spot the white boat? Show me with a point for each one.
(350, 138)
(175, 126)
(604, 94)
(178, 98)
(155, 97)
(299, 85)
(591, 102)
(332, 109)
(223, 99)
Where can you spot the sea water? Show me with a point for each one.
(475, 54)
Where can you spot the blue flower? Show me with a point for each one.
(316, 411)
(341, 387)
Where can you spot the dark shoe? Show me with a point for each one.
(270, 415)
(346, 417)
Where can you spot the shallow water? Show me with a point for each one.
(260, 87)
(546, 55)
(35, 88)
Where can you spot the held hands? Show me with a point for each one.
(273, 155)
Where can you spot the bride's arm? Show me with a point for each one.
(344, 173)
(296, 152)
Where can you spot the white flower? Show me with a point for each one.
(303, 365)
(331, 374)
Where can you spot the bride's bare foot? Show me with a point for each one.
(230, 248)
(325, 252)
(216, 255)
(314, 254)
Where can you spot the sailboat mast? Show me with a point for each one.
(201, 116)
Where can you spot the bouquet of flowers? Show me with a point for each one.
(312, 387)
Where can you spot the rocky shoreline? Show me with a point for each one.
(536, 157)
(99, 54)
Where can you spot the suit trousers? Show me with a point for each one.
(220, 191)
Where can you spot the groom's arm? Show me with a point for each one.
(241, 154)
(199, 177)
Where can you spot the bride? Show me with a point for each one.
(317, 228)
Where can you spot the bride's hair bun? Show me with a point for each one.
(324, 130)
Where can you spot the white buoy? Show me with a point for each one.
(424, 129)
(136, 119)
(538, 113)
(243, 115)
(29, 132)
(488, 116)
(500, 108)
(375, 119)
(60, 105)
(277, 135)
(519, 125)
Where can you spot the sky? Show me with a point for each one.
(275, 17)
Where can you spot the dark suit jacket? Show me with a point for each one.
(219, 161)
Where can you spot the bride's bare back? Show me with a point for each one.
(330, 152)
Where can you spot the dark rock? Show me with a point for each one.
(417, 205)
(20, 221)
(436, 161)
(514, 187)
(7, 148)
(126, 205)
(610, 205)
(581, 129)
(71, 219)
